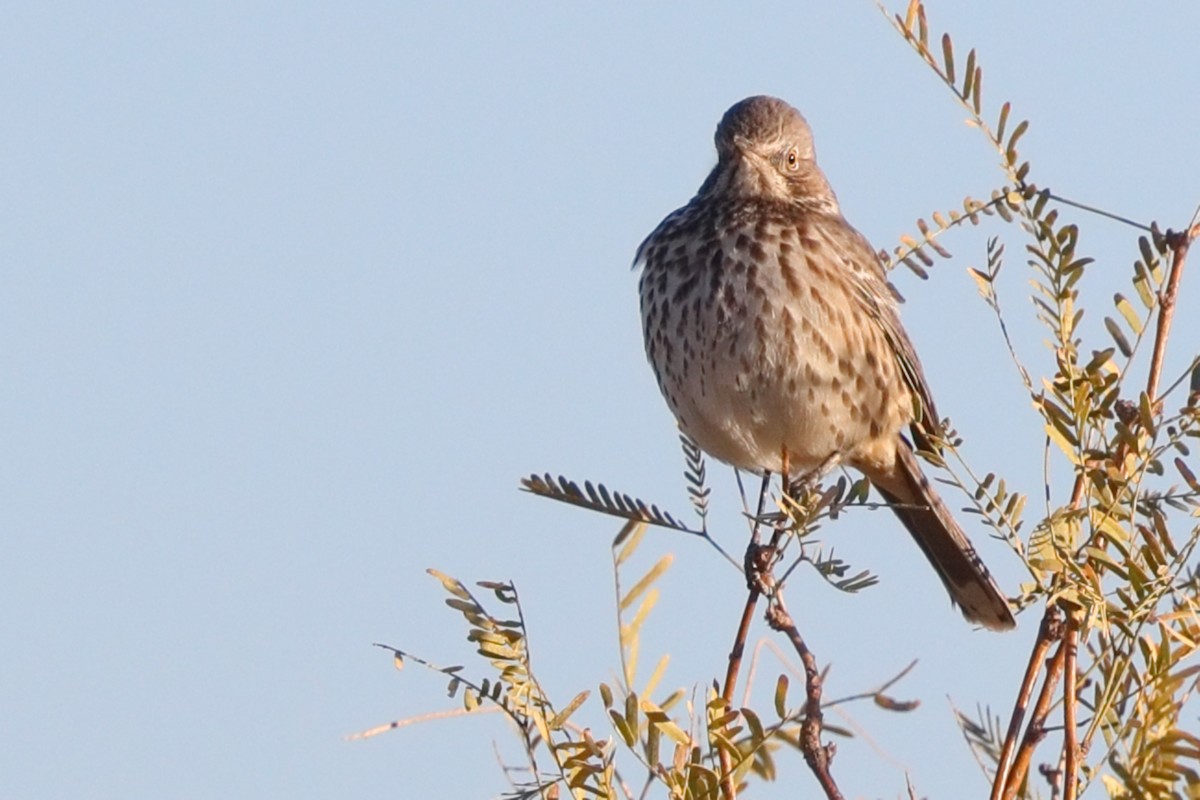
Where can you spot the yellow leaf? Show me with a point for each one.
(781, 688)
(1059, 439)
(982, 282)
(657, 717)
(659, 669)
(650, 577)
(673, 731)
(561, 717)
(630, 537)
(451, 585)
(622, 727)
(1126, 309)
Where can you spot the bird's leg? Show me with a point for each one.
(761, 558)
(785, 472)
(762, 501)
(813, 476)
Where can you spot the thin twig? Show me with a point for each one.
(1037, 725)
(739, 644)
(836, 705)
(404, 723)
(728, 788)
(1098, 211)
(1179, 244)
(877, 692)
(754, 553)
(1179, 248)
(646, 786)
(1070, 733)
(1187, 374)
(759, 563)
(817, 755)
(1050, 622)
(1054, 777)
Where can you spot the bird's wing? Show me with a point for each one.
(879, 300)
(679, 217)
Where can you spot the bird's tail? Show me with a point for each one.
(943, 542)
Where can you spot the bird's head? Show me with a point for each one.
(765, 150)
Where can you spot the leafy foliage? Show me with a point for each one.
(1111, 559)
(581, 763)
(597, 497)
(1104, 556)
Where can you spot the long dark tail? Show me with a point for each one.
(943, 542)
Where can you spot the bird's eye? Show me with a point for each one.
(792, 159)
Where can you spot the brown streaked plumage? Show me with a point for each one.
(772, 328)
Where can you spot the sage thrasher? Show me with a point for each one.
(776, 340)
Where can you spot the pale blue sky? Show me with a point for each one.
(292, 295)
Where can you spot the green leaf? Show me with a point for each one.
(1000, 126)
(1146, 414)
(1114, 330)
(1126, 309)
(724, 721)
(1010, 151)
(467, 607)
(1103, 557)
(1189, 477)
(622, 727)
(969, 75)
(755, 724)
(948, 57)
(653, 738)
(631, 712)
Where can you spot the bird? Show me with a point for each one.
(776, 340)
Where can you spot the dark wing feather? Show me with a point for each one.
(878, 299)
